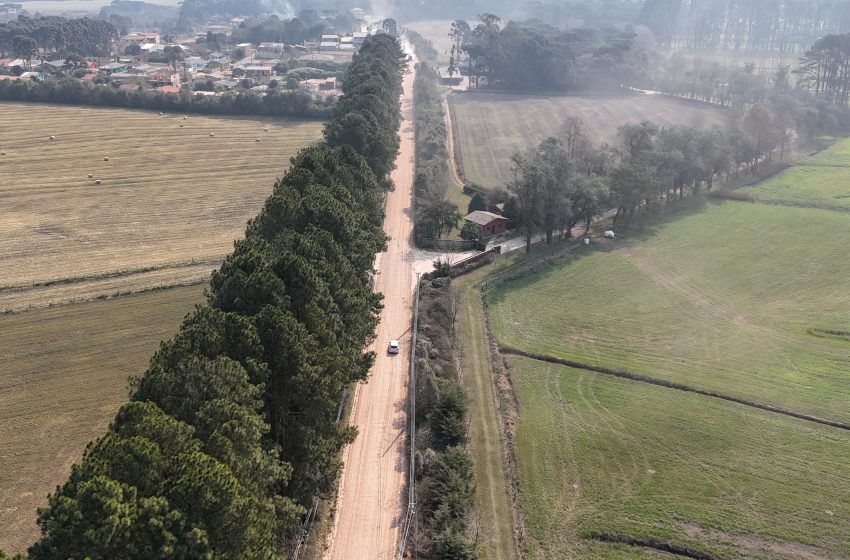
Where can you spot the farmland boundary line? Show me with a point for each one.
(506, 350)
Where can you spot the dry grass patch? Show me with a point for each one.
(492, 127)
(169, 197)
(63, 376)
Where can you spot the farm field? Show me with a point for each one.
(601, 454)
(172, 200)
(821, 180)
(492, 127)
(63, 376)
(727, 297)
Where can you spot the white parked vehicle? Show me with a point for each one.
(395, 346)
(609, 234)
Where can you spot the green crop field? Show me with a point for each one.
(600, 454)
(722, 299)
(173, 196)
(492, 127)
(63, 376)
(821, 180)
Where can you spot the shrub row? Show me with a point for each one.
(444, 475)
(296, 104)
(434, 214)
(231, 431)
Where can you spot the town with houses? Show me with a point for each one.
(205, 62)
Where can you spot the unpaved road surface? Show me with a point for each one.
(370, 504)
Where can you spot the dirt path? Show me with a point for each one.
(370, 504)
(450, 145)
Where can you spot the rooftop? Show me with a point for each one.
(482, 218)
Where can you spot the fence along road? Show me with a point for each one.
(371, 504)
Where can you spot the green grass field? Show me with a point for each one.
(821, 180)
(597, 453)
(63, 376)
(492, 127)
(722, 298)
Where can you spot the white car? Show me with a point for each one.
(395, 346)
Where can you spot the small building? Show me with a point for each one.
(53, 66)
(114, 68)
(217, 65)
(497, 208)
(257, 71)
(330, 39)
(271, 47)
(358, 37)
(328, 46)
(247, 48)
(163, 77)
(141, 38)
(195, 63)
(455, 79)
(168, 89)
(486, 224)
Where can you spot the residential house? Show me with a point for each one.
(114, 68)
(139, 38)
(257, 71)
(217, 56)
(122, 77)
(163, 77)
(357, 38)
(328, 46)
(247, 48)
(271, 47)
(226, 84)
(330, 39)
(169, 89)
(485, 224)
(218, 65)
(53, 67)
(195, 63)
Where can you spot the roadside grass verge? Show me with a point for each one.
(721, 299)
(64, 374)
(604, 455)
(495, 515)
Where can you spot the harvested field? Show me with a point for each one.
(821, 181)
(492, 127)
(720, 298)
(599, 454)
(63, 376)
(172, 197)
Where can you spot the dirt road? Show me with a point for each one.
(370, 505)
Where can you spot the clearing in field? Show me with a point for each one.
(821, 181)
(598, 454)
(63, 377)
(492, 127)
(172, 196)
(733, 297)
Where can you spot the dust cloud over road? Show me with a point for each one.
(370, 504)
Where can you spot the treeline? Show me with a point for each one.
(434, 214)
(445, 486)
(566, 180)
(274, 102)
(825, 68)
(788, 26)
(808, 107)
(534, 56)
(23, 37)
(231, 432)
(307, 26)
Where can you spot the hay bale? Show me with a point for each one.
(51, 138)
(212, 134)
(256, 140)
(185, 117)
(266, 129)
(91, 176)
(106, 159)
(2, 153)
(181, 126)
(160, 113)
(97, 181)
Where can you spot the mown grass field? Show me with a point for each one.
(170, 198)
(492, 127)
(821, 180)
(721, 298)
(64, 374)
(600, 454)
